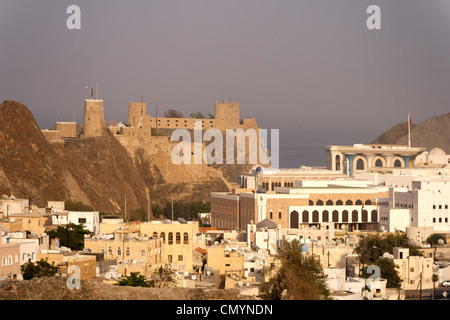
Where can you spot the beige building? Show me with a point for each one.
(414, 271)
(133, 252)
(309, 203)
(32, 221)
(178, 239)
(10, 261)
(85, 263)
(225, 263)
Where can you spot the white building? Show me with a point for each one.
(11, 205)
(90, 220)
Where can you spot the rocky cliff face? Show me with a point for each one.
(434, 132)
(96, 171)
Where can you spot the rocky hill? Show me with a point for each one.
(96, 171)
(434, 132)
(53, 288)
(394, 134)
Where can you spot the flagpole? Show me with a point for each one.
(409, 130)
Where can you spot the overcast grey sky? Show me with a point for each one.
(309, 68)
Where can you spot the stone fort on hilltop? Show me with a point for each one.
(137, 132)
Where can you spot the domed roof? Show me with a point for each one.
(437, 152)
(266, 223)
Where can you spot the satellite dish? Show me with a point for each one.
(440, 242)
(194, 277)
(239, 283)
(186, 273)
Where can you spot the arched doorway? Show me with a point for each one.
(294, 220)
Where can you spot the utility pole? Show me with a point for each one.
(125, 213)
(172, 207)
(149, 212)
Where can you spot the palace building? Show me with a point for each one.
(370, 158)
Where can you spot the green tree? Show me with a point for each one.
(70, 235)
(387, 271)
(164, 278)
(39, 269)
(70, 205)
(371, 247)
(197, 115)
(434, 239)
(296, 277)
(172, 113)
(133, 280)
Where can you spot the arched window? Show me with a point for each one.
(319, 203)
(329, 203)
(325, 217)
(163, 237)
(339, 203)
(305, 216)
(378, 163)
(185, 238)
(315, 216)
(345, 216)
(335, 216)
(397, 163)
(4, 261)
(294, 220)
(338, 163)
(358, 203)
(354, 216)
(365, 216)
(368, 202)
(374, 216)
(155, 234)
(170, 240)
(349, 203)
(178, 238)
(311, 203)
(360, 164)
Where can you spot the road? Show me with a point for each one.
(427, 294)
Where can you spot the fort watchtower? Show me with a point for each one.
(136, 113)
(94, 121)
(227, 115)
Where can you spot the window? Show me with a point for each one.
(339, 203)
(360, 164)
(279, 214)
(81, 220)
(319, 203)
(163, 237)
(349, 203)
(178, 238)
(127, 252)
(180, 257)
(378, 163)
(170, 238)
(169, 258)
(185, 238)
(142, 253)
(119, 252)
(155, 234)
